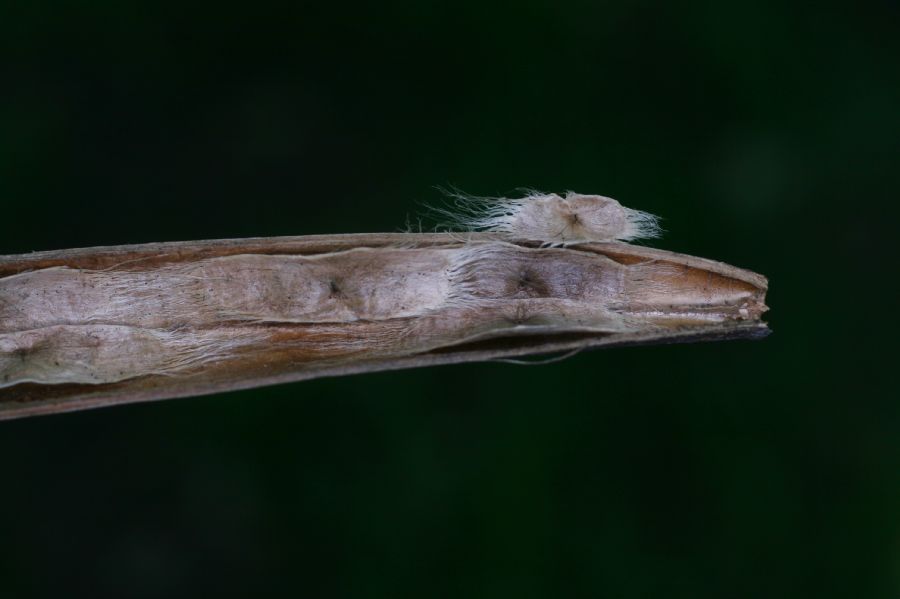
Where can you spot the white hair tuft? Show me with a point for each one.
(549, 217)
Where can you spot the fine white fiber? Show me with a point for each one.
(550, 218)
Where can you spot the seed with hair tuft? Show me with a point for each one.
(551, 218)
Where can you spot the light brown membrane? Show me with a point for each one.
(61, 324)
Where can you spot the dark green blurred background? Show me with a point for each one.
(765, 133)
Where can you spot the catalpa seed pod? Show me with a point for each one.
(108, 325)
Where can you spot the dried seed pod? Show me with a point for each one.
(99, 326)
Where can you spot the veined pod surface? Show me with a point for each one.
(100, 326)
